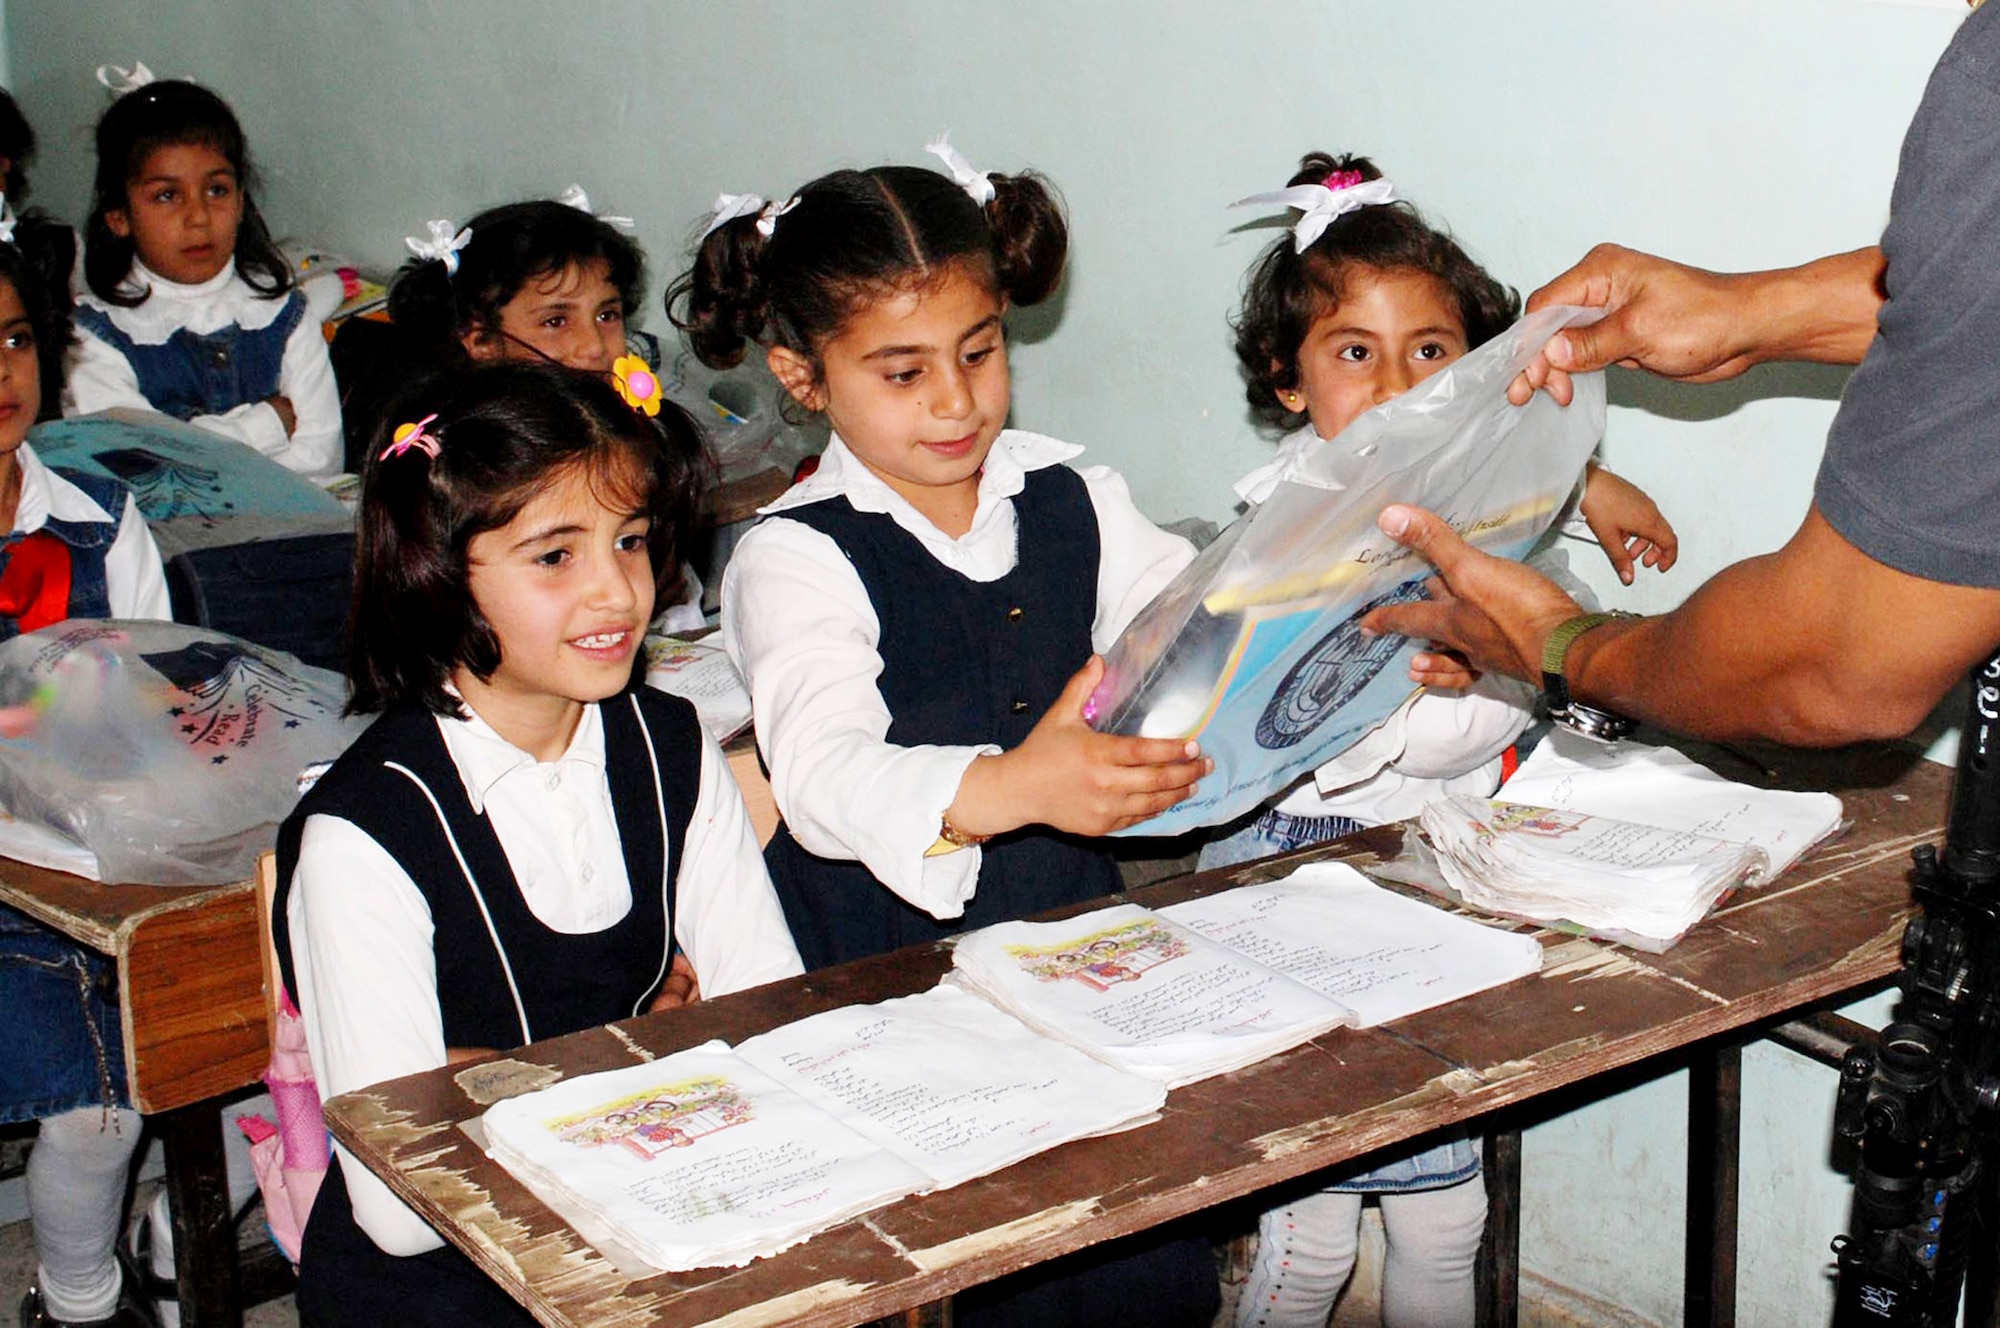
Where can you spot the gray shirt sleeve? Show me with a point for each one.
(1911, 474)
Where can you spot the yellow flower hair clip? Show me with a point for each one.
(637, 383)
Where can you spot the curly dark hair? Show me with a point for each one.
(853, 237)
(1286, 291)
(511, 245)
(506, 430)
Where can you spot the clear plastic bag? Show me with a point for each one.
(170, 752)
(1254, 649)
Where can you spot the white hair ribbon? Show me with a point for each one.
(7, 220)
(442, 246)
(767, 220)
(576, 198)
(122, 80)
(1321, 203)
(974, 183)
(728, 207)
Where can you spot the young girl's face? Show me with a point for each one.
(20, 372)
(567, 588)
(573, 315)
(916, 385)
(1391, 330)
(181, 212)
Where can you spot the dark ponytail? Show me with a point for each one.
(853, 236)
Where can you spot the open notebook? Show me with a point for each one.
(716, 1156)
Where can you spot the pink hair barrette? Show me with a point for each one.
(408, 436)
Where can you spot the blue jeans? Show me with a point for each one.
(1272, 831)
(62, 1001)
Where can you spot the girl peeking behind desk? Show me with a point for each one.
(524, 844)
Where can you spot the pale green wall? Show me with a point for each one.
(1731, 133)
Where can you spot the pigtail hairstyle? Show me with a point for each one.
(501, 433)
(1286, 290)
(853, 237)
(169, 113)
(511, 246)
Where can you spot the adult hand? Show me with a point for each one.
(1494, 612)
(1677, 321)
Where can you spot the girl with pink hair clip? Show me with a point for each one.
(1362, 301)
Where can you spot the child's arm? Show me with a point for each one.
(727, 918)
(1067, 775)
(800, 627)
(367, 979)
(1626, 523)
(315, 446)
(135, 581)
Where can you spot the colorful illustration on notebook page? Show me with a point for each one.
(1519, 818)
(1105, 959)
(652, 1121)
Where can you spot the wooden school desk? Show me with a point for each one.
(191, 1009)
(1828, 930)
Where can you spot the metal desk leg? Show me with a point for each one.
(204, 1232)
(1715, 1118)
(1499, 1270)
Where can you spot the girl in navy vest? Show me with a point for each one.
(917, 620)
(76, 547)
(191, 310)
(515, 849)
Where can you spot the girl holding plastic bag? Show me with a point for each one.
(1363, 301)
(524, 844)
(77, 547)
(916, 621)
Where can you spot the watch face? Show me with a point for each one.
(1600, 725)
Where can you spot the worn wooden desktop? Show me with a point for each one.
(1827, 930)
(191, 1010)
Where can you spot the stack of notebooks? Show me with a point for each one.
(713, 1156)
(1631, 843)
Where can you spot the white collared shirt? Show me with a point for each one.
(800, 626)
(134, 580)
(100, 377)
(362, 945)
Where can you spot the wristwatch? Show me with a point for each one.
(1564, 709)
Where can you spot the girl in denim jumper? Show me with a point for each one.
(190, 309)
(1361, 302)
(76, 547)
(917, 619)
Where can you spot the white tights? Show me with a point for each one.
(1305, 1252)
(77, 1173)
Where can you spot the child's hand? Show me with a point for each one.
(1070, 777)
(1442, 670)
(1627, 523)
(286, 415)
(681, 987)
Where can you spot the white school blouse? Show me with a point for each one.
(100, 377)
(361, 931)
(134, 580)
(801, 628)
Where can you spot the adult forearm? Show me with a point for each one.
(1823, 311)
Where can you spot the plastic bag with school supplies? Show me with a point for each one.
(169, 752)
(1255, 648)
